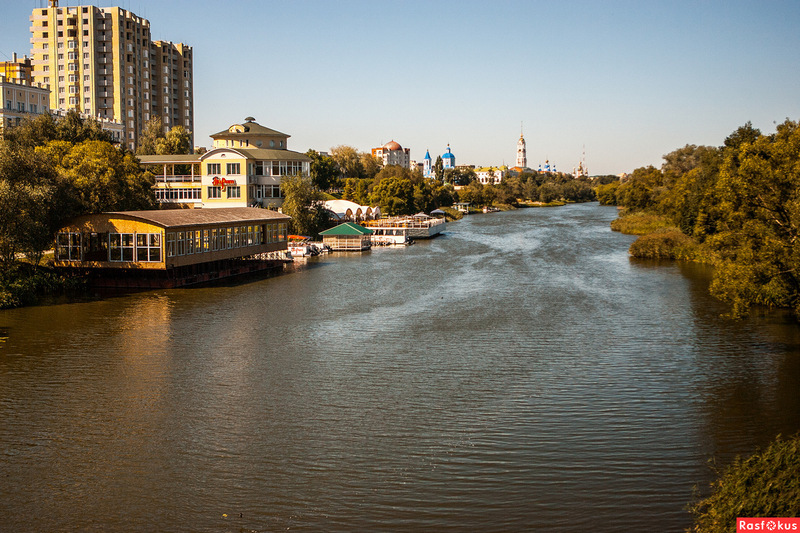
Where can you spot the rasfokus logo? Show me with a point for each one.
(767, 524)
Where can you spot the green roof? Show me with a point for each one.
(348, 228)
(250, 128)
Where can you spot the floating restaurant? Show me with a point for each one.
(401, 230)
(171, 248)
(347, 237)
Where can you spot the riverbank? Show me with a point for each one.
(659, 238)
(24, 284)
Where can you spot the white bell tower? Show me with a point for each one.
(522, 154)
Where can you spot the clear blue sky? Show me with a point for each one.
(630, 80)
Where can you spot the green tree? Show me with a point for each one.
(371, 165)
(103, 177)
(361, 195)
(472, 193)
(305, 204)
(348, 161)
(72, 128)
(438, 168)
(33, 203)
(607, 193)
(642, 189)
(549, 192)
(178, 140)
(460, 176)
(349, 192)
(758, 192)
(154, 141)
(42, 129)
(394, 195)
(324, 171)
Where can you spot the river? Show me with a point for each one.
(520, 372)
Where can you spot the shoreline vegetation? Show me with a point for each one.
(54, 169)
(735, 207)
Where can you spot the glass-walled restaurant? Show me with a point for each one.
(162, 240)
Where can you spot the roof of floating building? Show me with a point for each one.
(347, 229)
(173, 218)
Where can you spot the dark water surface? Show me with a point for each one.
(518, 373)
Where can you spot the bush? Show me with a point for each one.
(641, 223)
(767, 484)
(23, 284)
(664, 244)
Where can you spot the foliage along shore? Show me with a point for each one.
(54, 169)
(736, 207)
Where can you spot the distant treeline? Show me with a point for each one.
(736, 206)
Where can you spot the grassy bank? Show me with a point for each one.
(23, 284)
(659, 238)
(527, 203)
(640, 223)
(765, 484)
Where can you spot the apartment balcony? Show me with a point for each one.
(177, 178)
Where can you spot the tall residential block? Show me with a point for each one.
(102, 61)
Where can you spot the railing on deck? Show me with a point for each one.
(175, 178)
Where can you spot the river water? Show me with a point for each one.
(519, 373)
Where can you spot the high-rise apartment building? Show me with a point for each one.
(102, 61)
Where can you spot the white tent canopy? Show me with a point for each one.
(346, 210)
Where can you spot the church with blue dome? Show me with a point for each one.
(448, 161)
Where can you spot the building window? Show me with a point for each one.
(148, 247)
(68, 247)
(120, 247)
(215, 192)
(181, 243)
(213, 168)
(234, 192)
(232, 168)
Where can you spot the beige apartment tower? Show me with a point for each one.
(101, 61)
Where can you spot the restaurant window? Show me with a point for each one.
(232, 168)
(214, 192)
(120, 247)
(223, 238)
(69, 246)
(206, 235)
(259, 233)
(234, 191)
(230, 238)
(213, 168)
(181, 243)
(189, 242)
(148, 247)
(198, 241)
(170, 245)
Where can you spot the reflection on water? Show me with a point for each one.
(519, 372)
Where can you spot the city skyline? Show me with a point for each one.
(629, 81)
